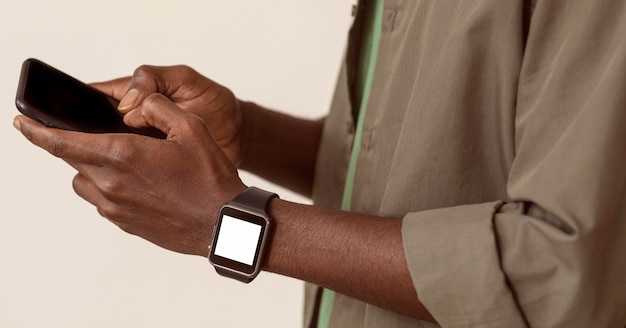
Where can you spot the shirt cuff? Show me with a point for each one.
(453, 259)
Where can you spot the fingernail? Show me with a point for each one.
(128, 100)
(17, 124)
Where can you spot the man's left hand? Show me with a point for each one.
(166, 191)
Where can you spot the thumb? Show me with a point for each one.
(159, 112)
(147, 80)
(143, 83)
(116, 88)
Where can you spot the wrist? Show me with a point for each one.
(249, 115)
(241, 235)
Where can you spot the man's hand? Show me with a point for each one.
(166, 191)
(189, 90)
(275, 146)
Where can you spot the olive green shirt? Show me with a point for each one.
(497, 131)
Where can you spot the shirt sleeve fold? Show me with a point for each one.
(456, 267)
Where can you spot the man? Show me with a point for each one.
(479, 147)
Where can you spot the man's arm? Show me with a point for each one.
(280, 148)
(330, 248)
(169, 192)
(335, 250)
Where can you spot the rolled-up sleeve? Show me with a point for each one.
(552, 254)
(456, 267)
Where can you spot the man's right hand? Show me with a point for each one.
(189, 90)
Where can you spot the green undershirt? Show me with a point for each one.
(367, 64)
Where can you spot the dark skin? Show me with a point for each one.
(169, 191)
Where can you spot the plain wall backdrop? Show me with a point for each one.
(65, 266)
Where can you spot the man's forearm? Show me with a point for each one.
(279, 147)
(330, 248)
(356, 255)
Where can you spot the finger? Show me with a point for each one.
(115, 88)
(70, 145)
(147, 80)
(156, 111)
(87, 190)
(159, 112)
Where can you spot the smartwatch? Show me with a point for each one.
(241, 234)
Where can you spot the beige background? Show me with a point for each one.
(65, 266)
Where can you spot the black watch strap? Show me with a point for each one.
(230, 274)
(254, 199)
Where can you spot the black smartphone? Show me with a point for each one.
(58, 100)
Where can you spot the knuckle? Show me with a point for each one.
(144, 71)
(120, 152)
(154, 100)
(56, 146)
(110, 189)
(146, 78)
(127, 228)
(77, 184)
(184, 70)
(111, 212)
(193, 123)
(194, 127)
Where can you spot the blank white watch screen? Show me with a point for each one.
(237, 240)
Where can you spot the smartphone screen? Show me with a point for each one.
(58, 100)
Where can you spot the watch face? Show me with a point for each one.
(238, 240)
(239, 237)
